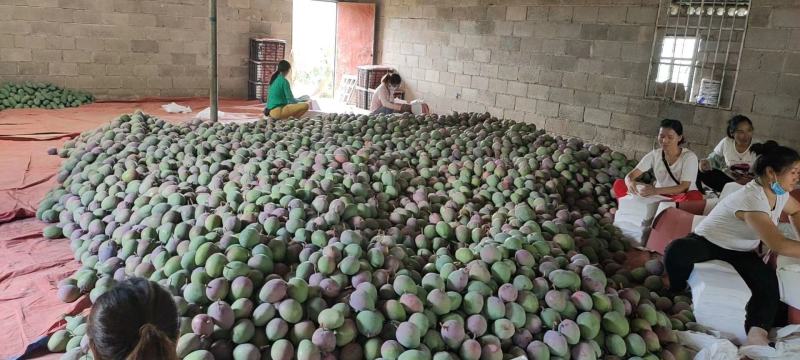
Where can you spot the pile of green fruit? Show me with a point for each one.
(363, 237)
(45, 96)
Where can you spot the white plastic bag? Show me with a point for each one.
(174, 108)
(709, 346)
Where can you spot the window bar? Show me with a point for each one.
(674, 33)
(716, 51)
(704, 66)
(685, 33)
(692, 64)
(653, 49)
(727, 54)
(741, 47)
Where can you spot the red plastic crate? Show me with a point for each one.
(261, 71)
(257, 90)
(262, 49)
(369, 76)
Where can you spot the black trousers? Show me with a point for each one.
(715, 179)
(764, 305)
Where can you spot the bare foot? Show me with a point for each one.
(757, 336)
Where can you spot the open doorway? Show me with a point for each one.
(313, 48)
(329, 41)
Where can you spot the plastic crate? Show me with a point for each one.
(369, 76)
(262, 49)
(261, 71)
(257, 91)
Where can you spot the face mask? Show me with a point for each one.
(777, 188)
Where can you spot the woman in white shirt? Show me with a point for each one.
(735, 229)
(382, 98)
(731, 159)
(674, 167)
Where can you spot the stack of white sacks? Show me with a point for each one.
(720, 297)
(634, 216)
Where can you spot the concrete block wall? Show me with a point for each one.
(580, 70)
(134, 48)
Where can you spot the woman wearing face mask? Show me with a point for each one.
(735, 229)
(731, 159)
(674, 167)
(382, 98)
(281, 103)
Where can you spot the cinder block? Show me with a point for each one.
(561, 95)
(550, 78)
(608, 136)
(642, 15)
(776, 105)
(517, 88)
(463, 80)
(571, 112)
(547, 108)
(77, 56)
(786, 17)
(630, 87)
(472, 68)
(516, 13)
(525, 104)
(528, 74)
(560, 14)
(763, 38)
(623, 32)
(431, 75)
(498, 86)
(15, 54)
(60, 43)
(540, 92)
(503, 28)
(508, 72)
(537, 13)
(594, 32)
(144, 46)
(535, 119)
(585, 14)
(597, 116)
(447, 78)
(743, 101)
(62, 68)
(792, 64)
(601, 83)
(498, 12)
(676, 111)
(757, 81)
(28, 68)
(639, 142)
(578, 48)
(45, 55)
(489, 70)
(789, 85)
(625, 121)
(794, 39)
(612, 14)
(554, 46)
(589, 66)
(530, 44)
(505, 101)
(644, 107)
(524, 29)
(574, 80)
(586, 98)
(480, 83)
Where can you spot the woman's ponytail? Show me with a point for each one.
(283, 67)
(153, 344)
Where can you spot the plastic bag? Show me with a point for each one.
(174, 108)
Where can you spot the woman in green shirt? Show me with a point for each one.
(281, 103)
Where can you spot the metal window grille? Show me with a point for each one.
(696, 51)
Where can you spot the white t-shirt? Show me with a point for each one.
(685, 169)
(382, 98)
(724, 229)
(727, 149)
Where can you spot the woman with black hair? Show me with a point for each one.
(735, 230)
(281, 103)
(731, 159)
(382, 98)
(674, 167)
(135, 320)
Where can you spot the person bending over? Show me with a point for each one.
(382, 98)
(135, 320)
(281, 103)
(674, 167)
(737, 227)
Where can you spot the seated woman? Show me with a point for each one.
(382, 98)
(736, 228)
(281, 103)
(135, 320)
(674, 166)
(731, 159)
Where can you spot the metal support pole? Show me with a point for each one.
(213, 53)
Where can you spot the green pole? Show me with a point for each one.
(214, 88)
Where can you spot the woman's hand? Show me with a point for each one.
(743, 178)
(405, 108)
(648, 190)
(633, 188)
(705, 165)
